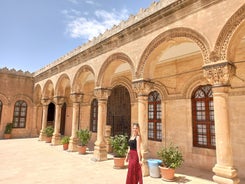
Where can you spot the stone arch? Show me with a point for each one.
(180, 32)
(108, 62)
(80, 76)
(126, 83)
(48, 90)
(221, 49)
(37, 96)
(27, 99)
(63, 86)
(192, 83)
(161, 89)
(4, 99)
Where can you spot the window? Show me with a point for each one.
(20, 110)
(154, 117)
(1, 107)
(94, 115)
(203, 117)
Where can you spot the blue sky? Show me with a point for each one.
(34, 33)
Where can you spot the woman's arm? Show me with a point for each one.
(127, 156)
(139, 149)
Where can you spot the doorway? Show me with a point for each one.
(119, 111)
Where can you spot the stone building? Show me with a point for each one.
(177, 68)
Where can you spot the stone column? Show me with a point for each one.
(143, 88)
(45, 102)
(58, 105)
(219, 75)
(76, 99)
(34, 132)
(100, 152)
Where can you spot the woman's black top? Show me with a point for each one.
(132, 144)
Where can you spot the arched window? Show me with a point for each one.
(203, 117)
(154, 117)
(20, 111)
(94, 115)
(1, 107)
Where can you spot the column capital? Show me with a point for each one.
(102, 93)
(76, 97)
(45, 101)
(59, 100)
(219, 73)
(142, 87)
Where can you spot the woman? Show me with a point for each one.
(134, 157)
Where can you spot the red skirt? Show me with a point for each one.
(134, 175)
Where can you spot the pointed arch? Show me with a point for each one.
(83, 73)
(62, 85)
(48, 90)
(116, 56)
(221, 51)
(169, 35)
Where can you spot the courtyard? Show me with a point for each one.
(29, 161)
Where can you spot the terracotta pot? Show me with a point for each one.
(167, 173)
(65, 146)
(119, 162)
(7, 136)
(48, 139)
(82, 149)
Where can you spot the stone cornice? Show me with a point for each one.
(135, 27)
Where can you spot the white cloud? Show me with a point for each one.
(87, 28)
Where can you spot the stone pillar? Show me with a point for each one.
(76, 99)
(219, 75)
(34, 132)
(100, 152)
(143, 88)
(45, 103)
(58, 105)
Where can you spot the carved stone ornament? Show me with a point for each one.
(45, 101)
(220, 73)
(102, 93)
(142, 87)
(76, 97)
(59, 100)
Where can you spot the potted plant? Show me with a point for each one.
(84, 136)
(65, 141)
(171, 158)
(119, 144)
(49, 130)
(8, 130)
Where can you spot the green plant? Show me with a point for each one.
(171, 156)
(119, 144)
(83, 136)
(49, 130)
(8, 128)
(65, 140)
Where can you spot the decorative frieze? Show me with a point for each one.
(219, 73)
(142, 87)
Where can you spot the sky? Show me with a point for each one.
(35, 33)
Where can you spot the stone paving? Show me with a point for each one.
(29, 161)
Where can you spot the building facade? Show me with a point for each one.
(177, 68)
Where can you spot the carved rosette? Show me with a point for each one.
(76, 97)
(59, 100)
(219, 73)
(102, 93)
(142, 87)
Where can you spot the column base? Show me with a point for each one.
(73, 145)
(225, 175)
(42, 136)
(56, 140)
(145, 168)
(100, 152)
